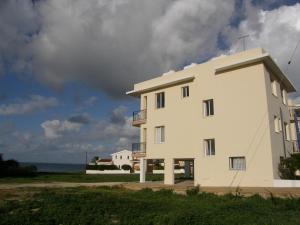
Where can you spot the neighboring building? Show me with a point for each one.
(121, 158)
(227, 118)
(104, 162)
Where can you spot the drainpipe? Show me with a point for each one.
(283, 131)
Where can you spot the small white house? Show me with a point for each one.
(121, 158)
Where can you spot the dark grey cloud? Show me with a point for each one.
(108, 44)
(82, 119)
(117, 115)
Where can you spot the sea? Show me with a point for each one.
(56, 167)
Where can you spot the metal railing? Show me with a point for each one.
(140, 115)
(139, 147)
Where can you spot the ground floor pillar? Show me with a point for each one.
(142, 170)
(169, 171)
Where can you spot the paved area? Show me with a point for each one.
(58, 185)
(180, 187)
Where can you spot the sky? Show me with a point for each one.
(65, 65)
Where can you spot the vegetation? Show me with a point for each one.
(11, 168)
(288, 167)
(119, 206)
(126, 167)
(79, 177)
(102, 167)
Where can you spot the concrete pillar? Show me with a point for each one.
(197, 171)
(187, 169)
(169, 171)
(142, 170)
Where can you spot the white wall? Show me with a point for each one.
(107, 171)
(286, 183)
(122, 158)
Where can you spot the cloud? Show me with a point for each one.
(100, 43)
(277, 31)
(117, 115)
(81, 119)
(34, 103)
(56, 128)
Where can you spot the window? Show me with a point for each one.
(209, 147)
(120, 157)
(160, 100)
(274, 87)
(237, 163)
(185, 92)
(279, 124)
(159, 135)
(208, 107)
(283, 94)
(287, 132)
(116, 156)
(276, 123)
(128, 157)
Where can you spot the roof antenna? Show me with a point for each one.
(243, 38)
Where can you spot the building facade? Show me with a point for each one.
(229, 117)
(121, 158)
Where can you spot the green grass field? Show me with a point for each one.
(78, 177)
(119, 206)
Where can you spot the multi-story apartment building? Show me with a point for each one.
(228, 118)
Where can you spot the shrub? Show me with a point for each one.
(11, 168)
(193, 191)
(126, 167)
(102, 167)
(288, 167)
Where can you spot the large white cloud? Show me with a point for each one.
(277, 31)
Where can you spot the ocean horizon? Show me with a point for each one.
(56, 167)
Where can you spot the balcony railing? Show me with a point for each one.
(139, 147)
(139, 117)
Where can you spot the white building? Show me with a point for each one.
(121, 158)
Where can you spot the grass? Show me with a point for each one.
(104, 205)
(78, 177)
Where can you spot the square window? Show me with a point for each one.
(209, 147)
(237, 163)
(159, 135)
(160, 100)
(208, 107)
(185, 92)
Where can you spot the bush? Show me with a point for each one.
(11, 168)
(288, 167)
(126, 167)
(193, 191)
(102, 167)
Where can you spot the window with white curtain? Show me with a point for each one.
(274, 87)
(159, 135)
(237, 163)
(276, 123)
(209, 147)
(287, 132)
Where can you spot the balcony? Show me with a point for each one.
(139, 117)
(139, 149)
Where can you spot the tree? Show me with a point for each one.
(288, 167)
(94, 159)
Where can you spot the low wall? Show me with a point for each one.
(177, 171)
(286, 183)
(107, 171)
